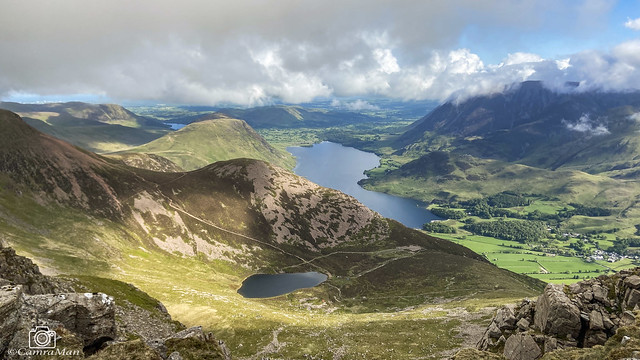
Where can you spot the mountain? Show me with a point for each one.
(190, 238)
(212, 138)
(578, 146)
(100, 128)
(532, 125)
(294, 116)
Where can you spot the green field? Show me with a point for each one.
(520, 258)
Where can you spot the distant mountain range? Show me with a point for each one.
(99, 128)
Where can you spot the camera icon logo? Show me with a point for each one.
(41, 337)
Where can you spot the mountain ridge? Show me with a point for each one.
(213, 137)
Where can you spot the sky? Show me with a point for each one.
(256, 52)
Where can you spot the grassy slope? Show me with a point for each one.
(205, 142)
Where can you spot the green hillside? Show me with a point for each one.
(212, 139)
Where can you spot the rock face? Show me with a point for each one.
(555, 314)
(583, 314)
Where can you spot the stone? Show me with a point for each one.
(631, 299)
(588, 295)
(523, 324)
(555, 314)
(493, 331)
(632, 282)
(627, 318)
(607, 322)
(575, 288)
(625, 340)
(596, 322)
(158, 346)
(592, 338)
(505, 318)
(600, 293)
(521, 347)
(174, 356)
(550, 344)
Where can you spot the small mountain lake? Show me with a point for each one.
(339, 167)
(175, 126)
(270, 285)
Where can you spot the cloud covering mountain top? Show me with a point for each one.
(251, 52)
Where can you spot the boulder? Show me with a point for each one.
(493, 331)
(555, 314)
(627, 318)
(594, 337)
(631, 299)
(632, 282)
(596, 322)
(521, 347)
(505, 319)
(600, 293)
(523, 324)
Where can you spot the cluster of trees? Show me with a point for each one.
(620, 245)
(583, 210)
(517, 230)
(448, 213)
(439, 227)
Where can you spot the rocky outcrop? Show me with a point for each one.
(16, 269)
(580, 315)
(88, 317)
(87, 323)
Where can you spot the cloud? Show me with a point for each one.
(633, 24)
(586, 125)
(635, 117)
(522, 58)
(253, 52)
(359, 105)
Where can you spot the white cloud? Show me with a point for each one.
(635, 117)
(633, 24)
(359, 105)
(587, 126)
(522, 58)
(388, 63)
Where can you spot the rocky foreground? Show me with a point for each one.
(94, 325)
(594, 319)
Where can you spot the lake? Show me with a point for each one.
(339, 167)
(268, 285)
(175, 126)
